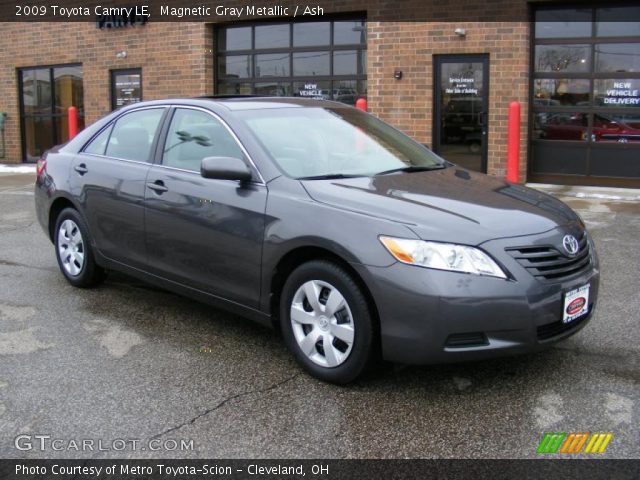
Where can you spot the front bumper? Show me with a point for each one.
(429, 316)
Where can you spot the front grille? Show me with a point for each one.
(550, 330)
(462, 340)
(548, 263)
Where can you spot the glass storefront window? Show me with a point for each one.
(617, 93)
(349, 32)
(234, 88)
(325, 59)
(311, 64)
(68, 87)
(273, 65)
(321, 90)
(272, 36)
(311, 34)
(617, 57)
(345, 62)
(555, 92)
(273, 89)
(36, 90)
(616, 128)
(613, 22)
(235, 66)
(571, 126)
(579, 120)
(348, 91)
(563, 23)
(234, 38)
(38, 136)
(562, 58)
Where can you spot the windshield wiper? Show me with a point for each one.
(329, 176)
(412, 168)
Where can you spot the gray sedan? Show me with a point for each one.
(318, 219)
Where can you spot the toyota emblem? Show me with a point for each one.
(570, 244)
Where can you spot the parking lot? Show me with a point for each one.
(129, 362)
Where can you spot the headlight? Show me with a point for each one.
(442, 256)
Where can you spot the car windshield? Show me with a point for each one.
(315, 143)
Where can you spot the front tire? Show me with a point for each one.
(74, 252)
(326, 322)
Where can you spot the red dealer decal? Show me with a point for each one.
(575, 306)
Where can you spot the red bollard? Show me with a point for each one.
(361, 104)
(513, 143)
(73, 122)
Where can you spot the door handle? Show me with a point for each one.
(482, 119)
(81, 169)
(157, 186)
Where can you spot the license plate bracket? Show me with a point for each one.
(576, 303)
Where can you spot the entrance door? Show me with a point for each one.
(45, 95)
(461, 103)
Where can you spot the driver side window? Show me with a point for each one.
(194, 135)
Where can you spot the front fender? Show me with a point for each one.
(294, 220)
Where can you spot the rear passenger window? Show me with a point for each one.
(98, 145)
(194, 135)
(133, 135)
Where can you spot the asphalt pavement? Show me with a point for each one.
(126, 370)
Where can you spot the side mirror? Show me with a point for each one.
(225, 168)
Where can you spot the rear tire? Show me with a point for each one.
(326, 322)
(74, 252)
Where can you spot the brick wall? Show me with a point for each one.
(411, 46)
(177, 60)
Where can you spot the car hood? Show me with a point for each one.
(450, 205)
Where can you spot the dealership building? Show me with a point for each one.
(443, 72)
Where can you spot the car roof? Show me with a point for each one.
(245, 102)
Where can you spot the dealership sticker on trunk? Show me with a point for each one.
(576, 303)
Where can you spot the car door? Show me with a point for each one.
(204, 233)
(108, 179)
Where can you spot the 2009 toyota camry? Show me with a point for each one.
(324, 221)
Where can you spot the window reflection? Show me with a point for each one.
(561, 126)
(561, 91)
(349, 32)
(294, 58)
(36, 91)
(272, 36)
(563, 23)
(272, 65)
(563, 58)
(273, 89)
(311, 34)
(614, 128)
(234, 38)
(45, 105)
(237, 66)
(310, 64)
(617, 57)
(234, 88)
(613, 21)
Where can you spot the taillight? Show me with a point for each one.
(41, 166)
